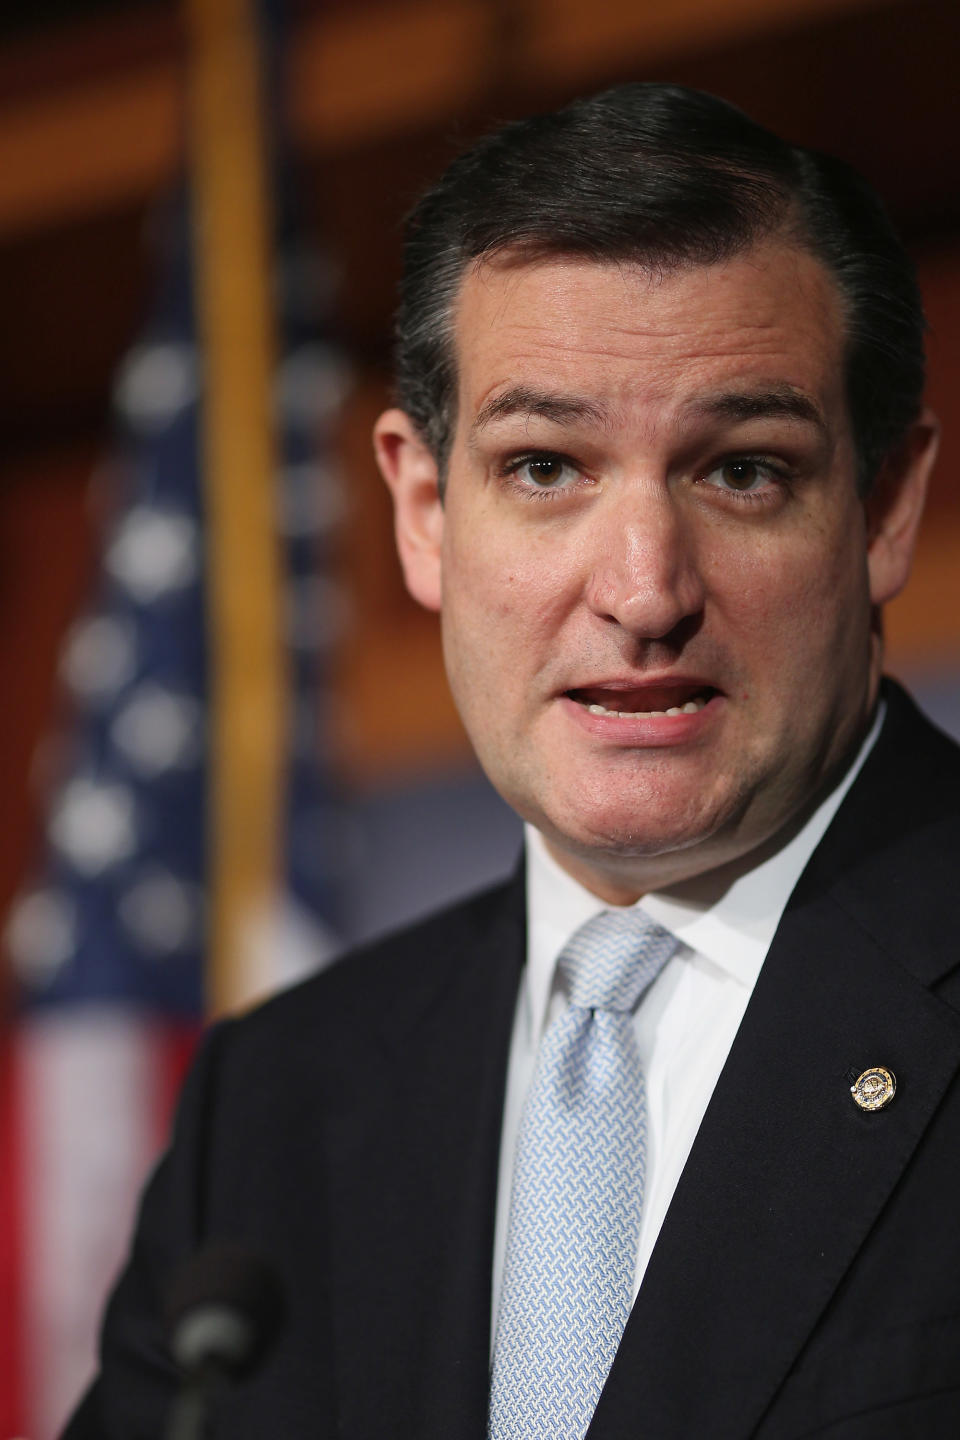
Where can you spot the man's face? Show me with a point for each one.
(654, 570)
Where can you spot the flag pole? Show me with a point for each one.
(232, 246)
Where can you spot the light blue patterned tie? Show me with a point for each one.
(577, 1190)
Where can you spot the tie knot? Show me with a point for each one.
(610, 961)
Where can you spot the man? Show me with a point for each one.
(660, 462)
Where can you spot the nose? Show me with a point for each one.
(645, 574)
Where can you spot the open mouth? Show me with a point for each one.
(644, 702)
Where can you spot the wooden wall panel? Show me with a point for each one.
(88, 151)
(576, 42)
(394, 710)
(923, 625)
(363, 72)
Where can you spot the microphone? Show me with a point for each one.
(224, 1310)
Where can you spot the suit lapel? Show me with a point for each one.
(787, 1176)
(412, 1263)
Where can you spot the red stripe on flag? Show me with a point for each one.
(12, 1418)
(175, 1054)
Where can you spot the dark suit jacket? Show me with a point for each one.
(807, 1278)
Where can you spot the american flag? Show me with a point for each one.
(108, 947)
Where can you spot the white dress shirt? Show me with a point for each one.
(685, 1023)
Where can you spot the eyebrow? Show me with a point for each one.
(774, 402)
(523, 400)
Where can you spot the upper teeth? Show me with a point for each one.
(690, 708)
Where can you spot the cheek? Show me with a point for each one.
(513, 584)
(796, 608)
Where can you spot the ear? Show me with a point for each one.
(894, 508)
(410, 471)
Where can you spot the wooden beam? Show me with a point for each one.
(92, 149)
(570, 40)
(355, 76)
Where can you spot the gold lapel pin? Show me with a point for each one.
(875, 1088)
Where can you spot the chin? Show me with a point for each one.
(620, 836)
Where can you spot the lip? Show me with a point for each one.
(658, 687)
(645, 730)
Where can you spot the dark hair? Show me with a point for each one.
(664, 176)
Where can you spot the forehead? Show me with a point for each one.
(630, 335)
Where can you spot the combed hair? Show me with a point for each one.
(664, 177)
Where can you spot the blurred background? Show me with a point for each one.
(228, 748)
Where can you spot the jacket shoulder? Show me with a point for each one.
(396, 971)
(891, 853)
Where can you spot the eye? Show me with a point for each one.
(542, 471)
(743, 475)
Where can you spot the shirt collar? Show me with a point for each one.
(733, 928)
